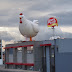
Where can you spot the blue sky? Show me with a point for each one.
(34, 9)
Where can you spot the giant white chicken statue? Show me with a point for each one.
(28, 28)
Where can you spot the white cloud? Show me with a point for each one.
(10, 33)
(45, 33)
(34, 9)
(66, 29)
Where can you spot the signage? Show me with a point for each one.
(52, 22)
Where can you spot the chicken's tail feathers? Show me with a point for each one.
(35, 21)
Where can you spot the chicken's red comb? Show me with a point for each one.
(21, 13)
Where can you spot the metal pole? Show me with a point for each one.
(53, 31)
(55, 51)
(44, 59)
(50, 58)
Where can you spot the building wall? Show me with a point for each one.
(1, 56)
(64, 62)
(64, 45)
(35, 57)
(63, 58)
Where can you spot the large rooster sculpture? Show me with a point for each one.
(28, 28)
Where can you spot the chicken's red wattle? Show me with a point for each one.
(20, 21)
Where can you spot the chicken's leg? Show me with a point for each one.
(30, 38)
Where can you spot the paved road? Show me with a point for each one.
(2, 66)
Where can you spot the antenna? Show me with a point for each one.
(53, 31)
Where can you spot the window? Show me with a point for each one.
(19, 49)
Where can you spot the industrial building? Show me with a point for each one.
(44, 56)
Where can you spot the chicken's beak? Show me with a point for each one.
(20, 17)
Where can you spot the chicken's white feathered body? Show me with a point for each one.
(28, 28)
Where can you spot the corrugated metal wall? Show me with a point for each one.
(63, 61)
